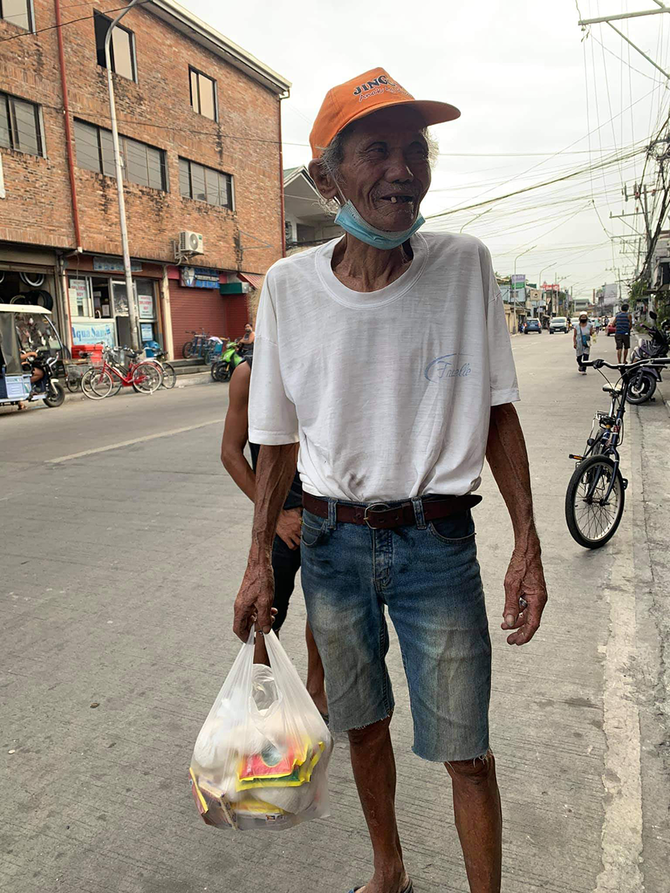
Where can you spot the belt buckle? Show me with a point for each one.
(372, 508)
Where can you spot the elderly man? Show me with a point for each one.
(392, 433)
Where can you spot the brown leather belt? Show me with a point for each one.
(381, 516)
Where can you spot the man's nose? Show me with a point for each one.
(398, 169)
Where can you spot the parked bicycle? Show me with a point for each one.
(194, 347)
(594, 501)
(169, 374)
(144, 376)
(75, 370)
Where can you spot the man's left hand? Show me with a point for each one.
(525, 594)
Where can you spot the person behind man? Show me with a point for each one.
(391, 449)
(623, 323)
(581, 340)
(246, 342)
(286, 546)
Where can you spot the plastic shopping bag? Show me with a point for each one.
(261, 758)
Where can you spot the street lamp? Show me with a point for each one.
(514, 283)
(132, 308)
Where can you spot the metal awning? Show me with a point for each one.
(254, 279)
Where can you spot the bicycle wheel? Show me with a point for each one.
(590, 522)
(147, 378)
(97, 384)
(73, 382)
(169, 376)
(187, 350)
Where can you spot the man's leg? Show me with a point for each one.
(373, 763)
(478, 821)
(316, 684)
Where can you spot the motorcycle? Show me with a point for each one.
(51, 390)
(223, 369)
(643, 386)
(29, 339)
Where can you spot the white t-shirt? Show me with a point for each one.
(388, 392)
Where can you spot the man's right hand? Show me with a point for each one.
(288, 527)
(254, 600)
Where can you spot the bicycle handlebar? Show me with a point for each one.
(626, 367)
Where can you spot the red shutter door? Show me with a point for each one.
(194, 309)
(237, 315)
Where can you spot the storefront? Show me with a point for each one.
(29, 276)
(196, 303)
(98, 301)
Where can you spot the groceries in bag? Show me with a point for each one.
(261, 758)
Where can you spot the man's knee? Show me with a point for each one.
(370, 735)
(472, 772)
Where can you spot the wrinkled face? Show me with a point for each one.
(386, 168)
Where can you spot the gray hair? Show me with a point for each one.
(333, 155)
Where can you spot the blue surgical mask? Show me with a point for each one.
(352, 222)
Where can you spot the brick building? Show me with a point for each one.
(200, 134)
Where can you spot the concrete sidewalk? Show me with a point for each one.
(121, 564)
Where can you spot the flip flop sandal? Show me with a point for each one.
(408, 889)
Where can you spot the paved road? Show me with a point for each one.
(122, 550)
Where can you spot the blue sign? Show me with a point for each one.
(114, 265)
(93, 333)
(199, 277)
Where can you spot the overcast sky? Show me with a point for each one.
(519, 70)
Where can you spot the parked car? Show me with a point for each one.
(532, 325)
(611, 327)
(558, 324)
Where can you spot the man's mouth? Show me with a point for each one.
(398, 199)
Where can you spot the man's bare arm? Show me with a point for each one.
(235, 437)
(508, 459)
(276, 467)
(236, 432)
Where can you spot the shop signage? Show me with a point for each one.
(518, 281)
(199, 277)
(114, 265)
(146, 331)
(146, 305)
(93, 333)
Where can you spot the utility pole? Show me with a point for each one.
(607, 20)
(130, 291)
(513, 285)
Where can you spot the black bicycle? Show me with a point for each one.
(594, 501)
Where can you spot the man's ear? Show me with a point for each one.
(323, 180)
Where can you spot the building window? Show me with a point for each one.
(203, 94)
(18, 12)
(142, 164)
(20, 125)
(121, 49)
(205, 184)
(81, 302)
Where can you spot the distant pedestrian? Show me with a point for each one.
(623, 323)
(581, 340)
(246, 342)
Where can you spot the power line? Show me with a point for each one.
(63, 24)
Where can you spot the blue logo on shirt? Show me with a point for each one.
(447, 366)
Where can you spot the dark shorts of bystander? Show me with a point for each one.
(622, 342)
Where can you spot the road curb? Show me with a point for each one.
(183, 381)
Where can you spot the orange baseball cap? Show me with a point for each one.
(363, 95)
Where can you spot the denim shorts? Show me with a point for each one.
(428, 577)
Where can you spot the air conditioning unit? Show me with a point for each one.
(190, 243)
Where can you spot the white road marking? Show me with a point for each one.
(125, 443)
(622, 778)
